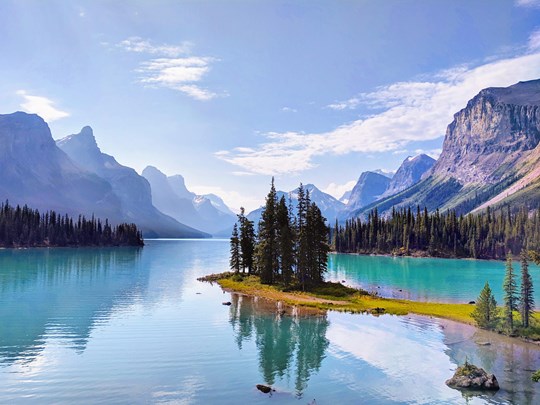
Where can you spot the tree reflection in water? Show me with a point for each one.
(290, 342)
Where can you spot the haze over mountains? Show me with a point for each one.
(490, 156)
(170, 195)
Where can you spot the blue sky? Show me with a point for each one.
(229, 93)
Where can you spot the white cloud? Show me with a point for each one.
(139, 45)
(41, 106)
(176, 69)
(349, 104)
(337, 190)
(534, 41)
(289, 109)
(528, 3)
(412, 111)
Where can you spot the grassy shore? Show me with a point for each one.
(338, 297)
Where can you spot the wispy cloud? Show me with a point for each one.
(289, 109)
(349, 104)
(140, 45)
(528, 3)
(410, 111)
(42, 106)
(534, 41)
(175, 69)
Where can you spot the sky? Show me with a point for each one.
(231, 93)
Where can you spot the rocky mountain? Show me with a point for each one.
(131, 189)
(171, 196)
(330, 207)
(369, 187)
(490, 156)
(37, 173)
(409, 173)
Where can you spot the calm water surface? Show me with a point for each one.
(424, 279)
(134, 326)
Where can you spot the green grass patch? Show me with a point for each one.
(338, 297)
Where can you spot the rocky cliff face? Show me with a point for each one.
(409, 173)
(496, 128)
(490, 156)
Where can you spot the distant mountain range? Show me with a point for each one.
(490, 157)
(73, 176)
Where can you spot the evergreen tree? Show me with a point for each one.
(234, 260)
(303, 243)
(485, 312)
(510, 290)
(526, 294)
(247, 241)
(267, 253)
(286, 241)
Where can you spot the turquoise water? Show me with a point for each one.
(125, 326)
(424, 279)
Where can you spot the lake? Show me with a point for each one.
(425, 279)
(127, 325)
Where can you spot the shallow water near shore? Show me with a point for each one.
(134, 326)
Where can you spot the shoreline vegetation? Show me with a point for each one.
(487, 235)
(24, 227)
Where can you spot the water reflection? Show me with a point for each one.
(62, 294)
(291, 343)
(511, 360)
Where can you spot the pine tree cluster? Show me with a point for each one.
(487, 235)
(486, 313)
(27, 227)
(288, 249)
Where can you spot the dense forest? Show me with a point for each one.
(288, 249)
(487, 235)
(27, 227)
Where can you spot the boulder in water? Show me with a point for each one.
(471, 377)
(264, 388)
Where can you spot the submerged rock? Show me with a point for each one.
(471, 377)
(264, 388)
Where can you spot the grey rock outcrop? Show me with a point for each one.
(495, 128)
(471, 377)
